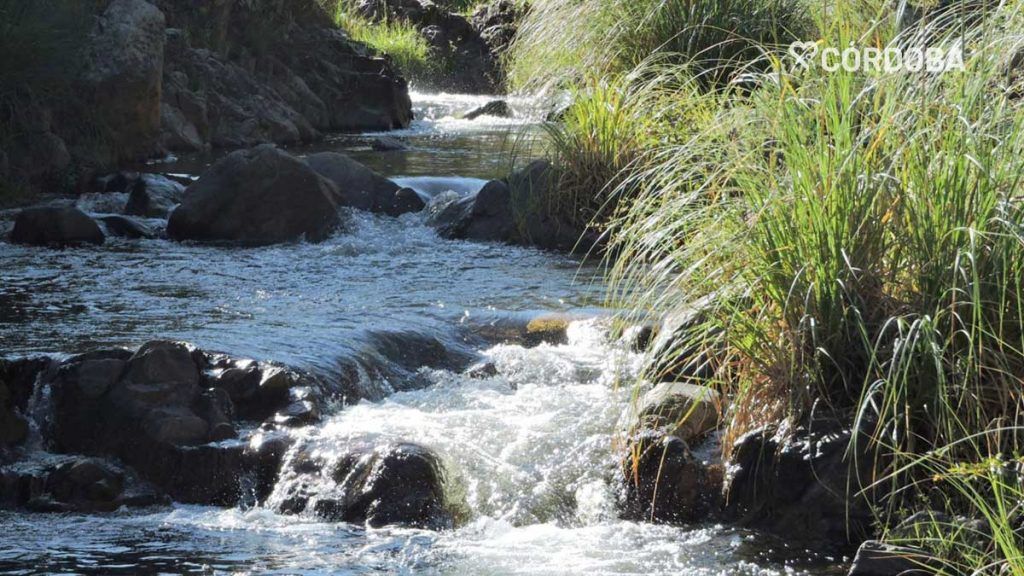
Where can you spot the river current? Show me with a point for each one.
(532, 450)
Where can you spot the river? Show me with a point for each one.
(532, 450)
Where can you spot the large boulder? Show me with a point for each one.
(55, 226)
(257, 196)
(123, 75)
(171, 411)
(665, 482)
(358, 187)
(392, 484)
(807, 485)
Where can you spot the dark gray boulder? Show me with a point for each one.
(358, 186)
(805, 486)
(126, 227)
(497, 23)
(399, 484)
(496, 108)
(258, 196)
(153, 196)
(55, 226)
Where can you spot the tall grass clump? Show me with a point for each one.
(855, 249)
(560, 43)
(398, 39)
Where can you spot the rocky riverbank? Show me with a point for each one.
(169, 76)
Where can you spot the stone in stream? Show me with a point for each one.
(495, 108)
(171, 411)
(55, 226)
(665, 482)
(17, 384)
(153, 196)
(258, 196)
(76, 484)
(361, 188)
(394, 484)
(511, 211)
(387, 144)
(126, 227)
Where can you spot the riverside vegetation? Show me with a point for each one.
(846, 245)
(822, 267)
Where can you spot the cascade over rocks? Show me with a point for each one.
(258, 196)
(391, 484)
(17, 383)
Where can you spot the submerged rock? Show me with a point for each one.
(55, 226)
(388, 144)
(258, 196)
(496, 108)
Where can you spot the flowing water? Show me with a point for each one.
(531, 451)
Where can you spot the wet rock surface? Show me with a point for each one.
(258, 196)
(665, 482)
(804, 486)
(358, 187)
(396, 484)
(510, 211)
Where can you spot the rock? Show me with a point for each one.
(497, 23)
(527, 329)
(388, 144)
(473, 65)
(391, 485)
(38, 158)
(664, 482)
(55, 225)
(687, 411)
(486, 216)
(496, 108)
(126, 227)
(154, 196)
(237, 90)
(878, 559)
(403, 201)
(258, 391)
(803, 486)
(360, 187)
(123, 75)
(257, 196)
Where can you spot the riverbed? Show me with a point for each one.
(531, 450)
